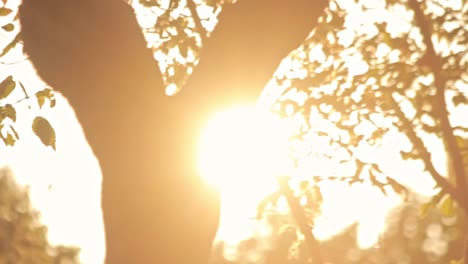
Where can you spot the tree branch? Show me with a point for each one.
(418, 144)
(434, 62)
(301, 220)
(193, 9)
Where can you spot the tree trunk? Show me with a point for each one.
(156, 208)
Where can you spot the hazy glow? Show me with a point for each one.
(64, 185)
(241, 152)
(244, 145)
(243, 149)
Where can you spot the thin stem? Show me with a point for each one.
(301, 220)
(434, 62)
(193, 9)
(408, 128)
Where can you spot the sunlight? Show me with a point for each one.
(243, 144)
(241, 151)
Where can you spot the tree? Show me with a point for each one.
(376, 77)
(93, 52)
(23, 239)
(366, 81)
(408, 238)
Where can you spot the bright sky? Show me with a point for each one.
(64, 185)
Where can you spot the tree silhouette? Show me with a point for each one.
(401, 71)
(156, 209)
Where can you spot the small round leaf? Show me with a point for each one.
(42, 128)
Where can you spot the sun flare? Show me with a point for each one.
(242, 145)
(241, 152)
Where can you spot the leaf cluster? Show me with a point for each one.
(358, 83)
(23, 239)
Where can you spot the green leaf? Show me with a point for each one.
(10, 45)
(8, 111)
(7, 86)
(5, 11)
(46, 133)
(9, 140)
(8, 27)
(411, 155)
(48, 94)
(424, 209)
(446, 207)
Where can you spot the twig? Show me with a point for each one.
(426, 157)
(193, 9)
(301, 220)
(434, 62)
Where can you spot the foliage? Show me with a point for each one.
(407, 239)
(352, 83)
(175, 37)
(366, 80)
(23, 239)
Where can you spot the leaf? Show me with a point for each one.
(8, 27)
(10, 45)
(424, 209)
(8, 111)
(459, 99)
(446, 207)
(7, 86)
(48, 94)
(5, 11)
(9, 140)
(411, 155)
(46, 133)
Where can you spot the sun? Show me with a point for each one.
(241, 145)
(242, 150)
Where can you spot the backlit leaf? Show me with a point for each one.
(424, 209)
(42, 128)
(8, 27)
(10, 45)
(446, 207)
(8, 111)
(7, 86)
(46, 94)
(9, 140)
(5, 11)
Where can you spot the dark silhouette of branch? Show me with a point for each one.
(408, 128)
(434, 62)
(193, 9)
(301, 220)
